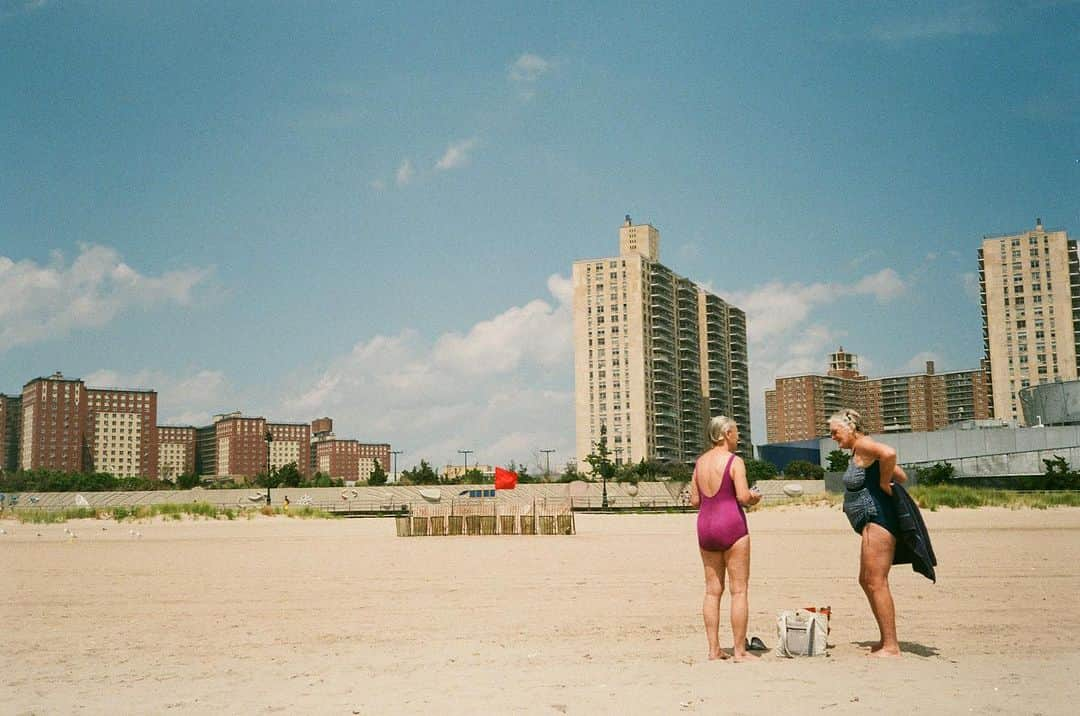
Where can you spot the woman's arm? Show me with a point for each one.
(886, 458)
(695, 496)
(899, 476)
(742, 489)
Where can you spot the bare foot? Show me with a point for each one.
(718, 655)
(875, 647)
(745, 656)
(886, 652)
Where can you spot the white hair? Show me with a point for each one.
(848, 418)
(719, 427)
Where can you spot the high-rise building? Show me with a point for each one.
(240, 446)
(176, 451)
(121, 426)
(291, 444)
(1029, 285)
(71, 428)
(798, 407)
(10, 431)
(349, 460)
(655, 356)
(54, 425)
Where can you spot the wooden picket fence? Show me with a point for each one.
(488, 517)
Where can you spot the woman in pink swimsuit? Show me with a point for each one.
(719, 488)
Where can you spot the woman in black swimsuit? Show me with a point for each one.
(869, 507)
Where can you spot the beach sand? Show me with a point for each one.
(341, 616)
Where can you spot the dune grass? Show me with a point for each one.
(171, 511)
(932, 497)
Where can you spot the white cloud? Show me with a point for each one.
(405, 173)
(457, 154)
(182, 400)
(377, 184)
(41, 302)
(528, 68)
(782, 339)
(775, 308)
(499, 388)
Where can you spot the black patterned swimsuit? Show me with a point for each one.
(865, 501)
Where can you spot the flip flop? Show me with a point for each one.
(756, 644)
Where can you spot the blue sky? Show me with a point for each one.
(370, 211)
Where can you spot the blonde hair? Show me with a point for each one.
(849, 418)
(719, 427)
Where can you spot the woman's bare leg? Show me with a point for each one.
(710, 608)
(738, 568)
(878, 548)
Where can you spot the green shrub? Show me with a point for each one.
(804, 470)
(937, 474)
(759, 470)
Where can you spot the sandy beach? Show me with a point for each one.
(341, 616)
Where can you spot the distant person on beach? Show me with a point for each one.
(286, 503)
(871, 511)
(719, 489)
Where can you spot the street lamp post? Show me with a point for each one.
(603, 500)
(466, 454)
(395, 453)
(547, 470)
(269, 439)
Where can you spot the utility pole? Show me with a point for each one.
(395, 453)
(466, 454)
(269, 439)
(547, 454)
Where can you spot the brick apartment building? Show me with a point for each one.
(236, 446)
(122, 431)
(176, 451)
(10, 431)
(799, 407)
(71, 428)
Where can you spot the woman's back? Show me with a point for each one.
(721, 520)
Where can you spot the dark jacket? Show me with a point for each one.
(913, 543)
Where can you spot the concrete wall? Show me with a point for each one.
(985, 452)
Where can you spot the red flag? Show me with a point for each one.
(505, 479)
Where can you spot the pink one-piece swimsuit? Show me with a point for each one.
(721, 521)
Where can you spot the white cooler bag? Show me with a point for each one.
(801, 633)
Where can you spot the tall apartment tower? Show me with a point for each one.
(1029, 286)
(121, 425)
(71, 428)
(176, 451)
(10, 432)
(54, 425)
(655, 356)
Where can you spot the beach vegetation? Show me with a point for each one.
(187, 481)
(120, 513)
(804, 470)
(932, 497)
(600, 465)
(289, 475)
(306, 512)
(837, 460)
(56, 481)
(937, 474)
(378, 475)
(423, 474)
(759, 470)
(1059, 476)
